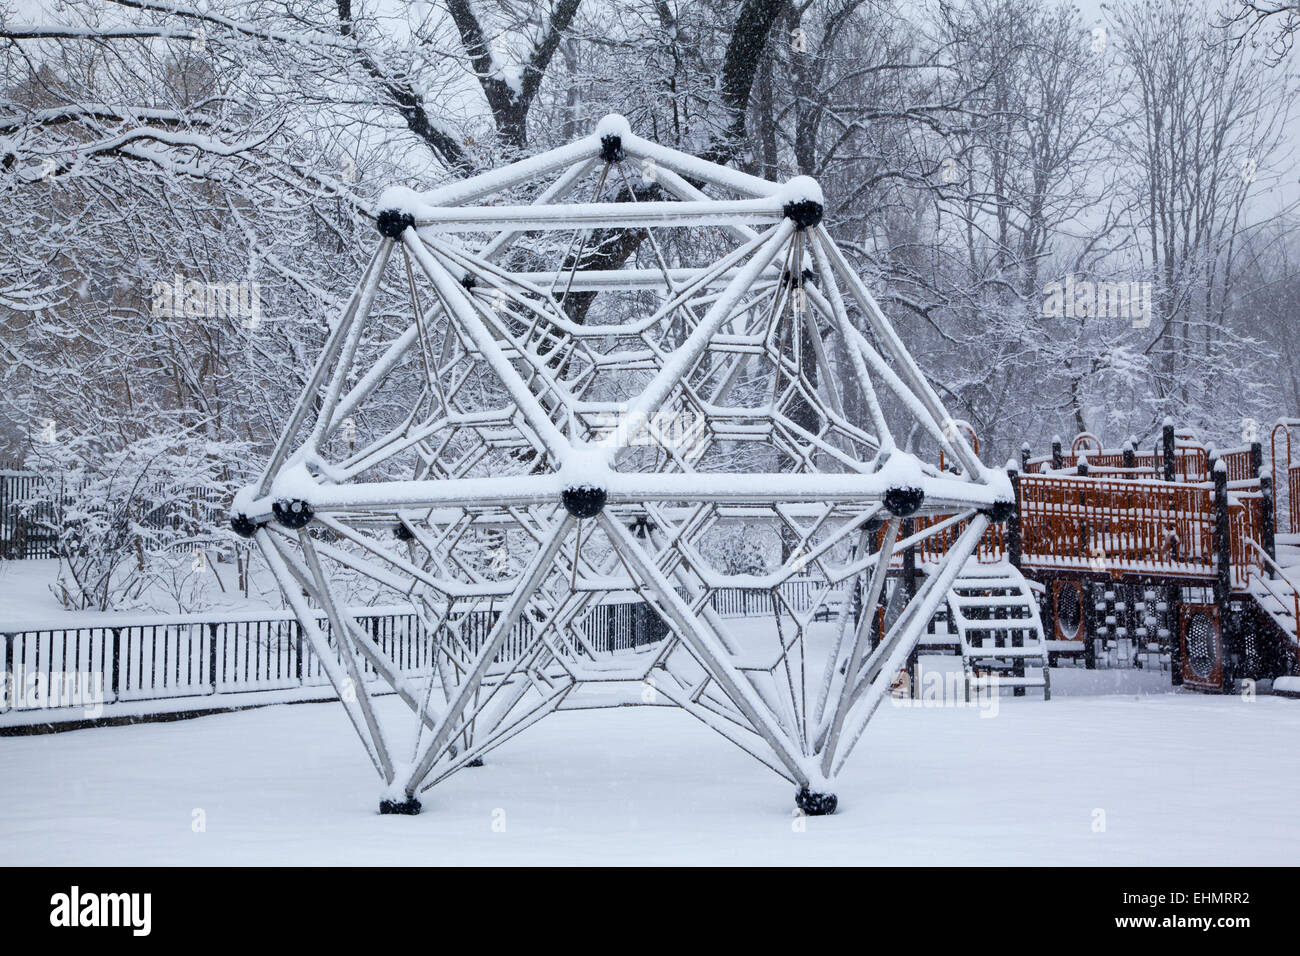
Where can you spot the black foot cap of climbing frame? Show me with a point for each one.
(408, 807)
(476, 762)
(816, 804)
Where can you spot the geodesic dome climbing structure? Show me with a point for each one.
(545, 437)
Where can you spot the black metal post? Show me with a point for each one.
(1058, 460)
(1088, 614)
(8, 672)
(212, 654)
(1223, 570)
(1173, 597)
(909, 589)
(1167, 450)
(115, 655)
(1268, 518)
(1014, 541)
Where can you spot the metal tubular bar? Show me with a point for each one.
(307, 399)
(865, 627)
(537, 572)
(681, 359)
(457, 300)
(835, 304)
(270, 549)
(341, 640)
(557, 190)
(705, 646)
(908, 369)
(713, 212)
(869, 695)
(378, 659)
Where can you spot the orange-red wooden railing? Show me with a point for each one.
(1117, 526)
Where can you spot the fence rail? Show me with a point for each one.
(24, 533)
(206, 664)
(33, 506)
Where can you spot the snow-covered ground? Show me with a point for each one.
(26, 600)
(1162, 778)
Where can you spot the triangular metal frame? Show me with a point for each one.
(737, 343)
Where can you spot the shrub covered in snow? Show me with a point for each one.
(133, 524)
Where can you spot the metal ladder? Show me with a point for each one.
(999, 630)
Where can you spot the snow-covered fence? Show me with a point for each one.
(124, 665)
(796, 593)
(116, 662)
(32, 507)
(24, 533)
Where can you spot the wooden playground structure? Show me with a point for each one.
(1182, 556)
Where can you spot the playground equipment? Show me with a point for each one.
(548, 434)
(1180, 557)
(1182, 550)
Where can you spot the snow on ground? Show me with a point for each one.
(1159, 779)
(26, 600)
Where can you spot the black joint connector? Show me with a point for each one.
(468, 282)
(408, 807)
(903, 502)
(243, 525)
(641, 526)
(293, 514)
(391, 223)
(611, 149)
(403, 532)
(804, 213)
(583, 501)
(999, 511)
(816, 804)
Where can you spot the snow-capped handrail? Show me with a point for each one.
(1267, 563)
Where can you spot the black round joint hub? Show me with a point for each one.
(403, 532)
(391, 223)
(408, 807)
(804, 213)
(293, 514)
(999, 511)
(584, 501)
(904, 502)
(816, 804)
(468, 282)
(243, 525)
(611, 149)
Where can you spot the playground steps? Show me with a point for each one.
(1278, 596)
(993, 614)
(1275, 606)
